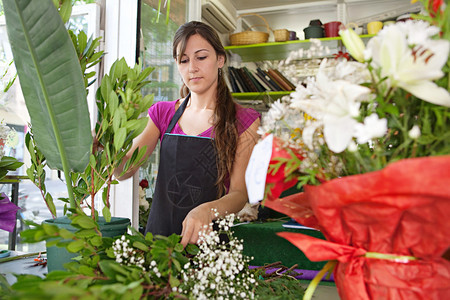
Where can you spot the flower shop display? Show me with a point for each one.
(152, 267)
(368, 140)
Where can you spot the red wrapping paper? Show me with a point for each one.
(282, 179)
(403, 210)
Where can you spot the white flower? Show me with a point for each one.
(412, 67)
(353, 43)
(414, 133)
(277, 110)
(334, 105)
(373, 127)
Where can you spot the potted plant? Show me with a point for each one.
(54, 80)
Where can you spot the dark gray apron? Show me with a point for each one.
(186, 178)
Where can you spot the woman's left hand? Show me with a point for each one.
(198, 219)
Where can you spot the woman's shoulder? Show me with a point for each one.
(161, 113)
(245, 116)
(164, 105)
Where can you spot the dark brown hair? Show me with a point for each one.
(225, 125)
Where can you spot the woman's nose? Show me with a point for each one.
(192, 66)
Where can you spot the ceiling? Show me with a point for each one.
(254, 4)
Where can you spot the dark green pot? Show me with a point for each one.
(58, 256)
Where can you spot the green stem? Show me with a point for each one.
(329, 266)
(388, 256)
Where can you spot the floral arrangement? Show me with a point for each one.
(367, 142)
(354, 117)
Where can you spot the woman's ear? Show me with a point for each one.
(221, 61)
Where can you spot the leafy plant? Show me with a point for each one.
(151, 267)
(88, 161)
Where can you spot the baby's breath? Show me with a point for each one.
(125, 254)
(219, 270)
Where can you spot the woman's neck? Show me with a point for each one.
(203, 101)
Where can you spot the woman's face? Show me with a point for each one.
(199, 65)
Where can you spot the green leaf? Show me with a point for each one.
(140, 246)
(119, 138)
(119, 69)
(179, 248)
(149, 236)
(106, 214)
(96, 241)
(84, 222)
(65, 10)
(85, 270)
(192, 249)
(50, 229)
(65, 234)
(51, 82)
(174, 282)
(75, 246)
(177, 265)
(86, 233)
(113, 103)
(50, 204)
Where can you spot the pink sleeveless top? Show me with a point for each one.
(162, 112)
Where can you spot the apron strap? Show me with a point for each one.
(178, 114)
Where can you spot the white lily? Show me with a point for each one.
(334, 105)
(353, 43)
(412, 69)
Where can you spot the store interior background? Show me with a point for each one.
(117, 22)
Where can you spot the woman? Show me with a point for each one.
(206, 141)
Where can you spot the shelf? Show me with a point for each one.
(257, 96)
(281, 50)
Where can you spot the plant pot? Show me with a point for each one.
(313, 32)
(58, 256)
(332, 29)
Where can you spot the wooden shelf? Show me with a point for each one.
(281, 50)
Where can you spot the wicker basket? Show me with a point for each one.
(281, 35)
(249, 36)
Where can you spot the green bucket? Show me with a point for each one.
(58, 256)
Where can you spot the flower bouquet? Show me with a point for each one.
(368, 141)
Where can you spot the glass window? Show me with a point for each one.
(156, 51)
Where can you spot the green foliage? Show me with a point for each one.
(281, 288)
(120, 105)
(53, 94)
(96, 274)
(8, 163)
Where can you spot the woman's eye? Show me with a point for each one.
(183, 61)
(201, 57)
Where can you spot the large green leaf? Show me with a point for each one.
(52, 82)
